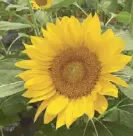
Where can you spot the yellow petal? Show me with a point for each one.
(42, 47)
(77, 35)
(108, 35)
(108, 89)
(34, 94)
(114, 48)
(61, 119)
(93, 27)
(114, 65)
(86, 21)
(27, 75)
(101, 104)
(89, 106)
(27, 64)
(48, 118)
(39, 57)
(54, 38)
(79, 108)
(117, 80)
(44, 80)
(36, 40)
(69, 113)
(40, 98)
(57, 104)
(41, 108)
(94, 92)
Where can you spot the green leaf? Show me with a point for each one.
(127, 71)
(13, 105)
(123, 17)
(22, 2)
(7, 120)
(129, 40)
(113, 6)
(118, 129)
(128, 5)
(105, 4)
(8, 71)
(11, 88)
(122, 114)
(5, 26)
(42, 17)
(128, 91)
(17, 7)
(9, 83)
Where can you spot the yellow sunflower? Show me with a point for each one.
(71, 69)
(42, 3)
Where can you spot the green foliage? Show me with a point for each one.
(5, 26)
(9, 84)
(123, 17)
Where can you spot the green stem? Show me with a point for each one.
(97, 5)
(94, 127)
(1, 132)
(76, 4)
(86, 127)
(25, 20)
(131, 22)
(7, 52)
(36, 29)
(3, 47)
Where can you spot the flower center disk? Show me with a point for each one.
(41, 2)
(75, 72)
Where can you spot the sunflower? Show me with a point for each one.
(71, 69)
(42, 3)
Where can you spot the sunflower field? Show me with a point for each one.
(66, 68)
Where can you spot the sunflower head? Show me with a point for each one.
(42, 3)
(71, 69)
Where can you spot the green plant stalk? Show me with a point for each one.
(1, 132)
(7, 52)
(131, 21)
(76, 4)
(3, 47)
(36, 29)
(97, 5)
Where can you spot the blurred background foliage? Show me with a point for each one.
(17, 23)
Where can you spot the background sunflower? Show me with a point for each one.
(41, 3)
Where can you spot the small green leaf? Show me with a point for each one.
(127, 72)
(128, 39)
(123, 17)
(113, 6)
(42, 17)
(5, 26)
(128, 91)
(17, 7)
